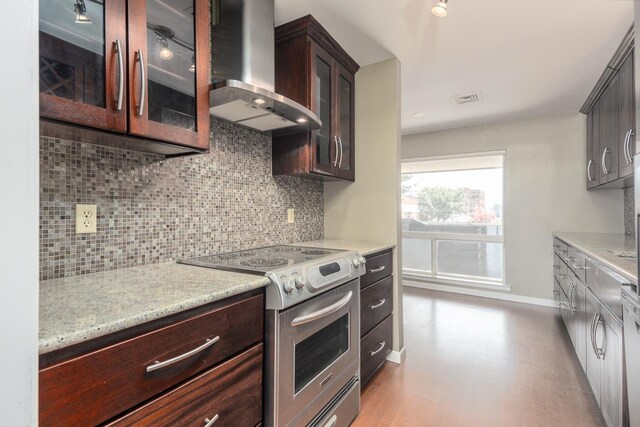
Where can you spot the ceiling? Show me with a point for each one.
(528, 58)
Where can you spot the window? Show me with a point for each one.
(452, 218)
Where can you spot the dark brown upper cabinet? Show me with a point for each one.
(610, 111)
(313, 70)
(128, 67)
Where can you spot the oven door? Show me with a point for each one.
(318, 340)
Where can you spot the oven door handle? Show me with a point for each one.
(323, 312)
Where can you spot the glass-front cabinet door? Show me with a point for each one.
(169, 82)
(344, 105)
(324, 140)
(82, 62)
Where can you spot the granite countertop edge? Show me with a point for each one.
(365, 248)
(240, 284)
(602, 254)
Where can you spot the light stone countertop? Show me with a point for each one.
(599, 246)
(79, 308)
(365, 248)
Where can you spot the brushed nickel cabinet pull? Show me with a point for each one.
(335, 142)
(143, 83)
(589, 177)
(211, 422)
(377, 270)
(159, 365)
(382, 345)
(120, 76)
(332, 421)
(379, 304)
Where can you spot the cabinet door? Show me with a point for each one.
(324, 141)
(594, 364)
(596, 114)
(609, 129)
(626, 132)
(580, 324)
(610, 341)
(345, 99)
(82, 62)
(592, 152)
(169, 83)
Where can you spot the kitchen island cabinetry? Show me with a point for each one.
(136, 68)
(313, 70)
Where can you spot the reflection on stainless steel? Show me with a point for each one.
(243, 58)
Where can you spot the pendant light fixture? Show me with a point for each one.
(440, 9)
(81, 12)
(165, 52)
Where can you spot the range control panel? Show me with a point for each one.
(294, 284)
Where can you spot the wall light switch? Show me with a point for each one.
(291, 216)
(86, 219)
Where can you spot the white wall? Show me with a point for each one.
(369, 208)
(19, 214)
(545, 189)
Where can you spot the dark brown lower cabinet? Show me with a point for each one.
(376, 313)
(374, 349)
(230, 393)
(178, 364)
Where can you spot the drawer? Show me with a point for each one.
(559, 247)
(374, 349)
(378, 267)
(232, 392)
(97, 386)
(376, 303)
(576, 262)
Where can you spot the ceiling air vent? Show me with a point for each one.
(468, 98)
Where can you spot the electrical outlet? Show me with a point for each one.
(86, 219)
(291, 216)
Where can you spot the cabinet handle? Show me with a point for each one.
(159, 365)
(377, 270)
(210, 422)
(604, 161)
(579, 267)
(379, 304)
(630, 154)
(555, 292)
(571, 306)
(143, 83)
(589, 164)
(382, 345)
(340, 163)
(593, 338)
(625, 145)
(562, 251)
(570, 259)
(335, 160)
(599, 349)
(120, 75)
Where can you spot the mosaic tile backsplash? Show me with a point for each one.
(153, 210)
(629, 212)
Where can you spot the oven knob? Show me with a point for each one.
(362, 260)
(289, 286)
(300, 282)
(356, 262)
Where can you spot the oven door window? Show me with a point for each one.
(314, 354)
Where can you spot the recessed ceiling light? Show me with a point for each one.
(440, 9)
(259, 101)
(418, 114)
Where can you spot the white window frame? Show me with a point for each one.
(432, 276)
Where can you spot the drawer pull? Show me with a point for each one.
(379, 304)
(377, 270)
(382, 345)
(159, 365)
(579, 267)
(212, 421)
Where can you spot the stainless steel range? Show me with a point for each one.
(312, 331)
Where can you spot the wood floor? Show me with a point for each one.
(478, 362)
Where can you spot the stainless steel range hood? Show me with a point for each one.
(243, 58)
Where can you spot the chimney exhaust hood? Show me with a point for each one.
(243, 64)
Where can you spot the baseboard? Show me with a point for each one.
(397, 356)
(480, 293)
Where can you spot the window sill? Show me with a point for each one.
(468, 284)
